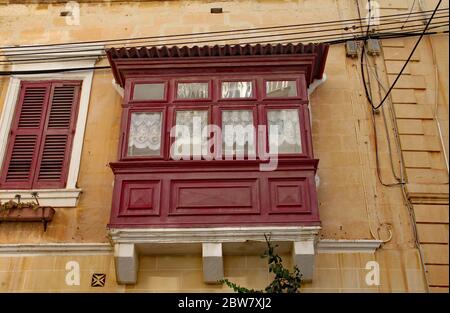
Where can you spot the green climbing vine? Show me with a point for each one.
(284, 281)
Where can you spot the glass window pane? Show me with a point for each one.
(284, 131)
(154, 91)
(145, 134)
(238, 133)
(281, 88)
(192, 91)
(189, 127)
(237, 89)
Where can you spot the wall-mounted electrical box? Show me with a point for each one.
(351, 48)
(373, 47)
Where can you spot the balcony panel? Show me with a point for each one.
(152, 194)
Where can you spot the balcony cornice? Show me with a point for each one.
(198, 165)
(212, 243)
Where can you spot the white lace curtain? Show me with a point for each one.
(145, 132)
(237, 89)
(287, 137)
(194, 120)
(281, 88)
(190, 125)
(192, 90)
(238, 130)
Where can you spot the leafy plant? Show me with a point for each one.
(283, 282)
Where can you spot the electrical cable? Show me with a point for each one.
(328, 37)
(55, 51)
(370, 98)
(367, 206)
(385, 123)
(97, 42)
(403, 186)
(409, 58)
(407, 18)
(377, 158)
(369, 21)
(331, 42)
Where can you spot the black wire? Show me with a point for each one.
(196, 34)
(369, 20)
(410, 11)
(324, 37)
(377, 157)
(33, 52)
(368, 92)
(8, 73)
(388, 36)
(82, 49)
(370, 99)
(409, 58)
(363, 76)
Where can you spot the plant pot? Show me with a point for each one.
(28, 214)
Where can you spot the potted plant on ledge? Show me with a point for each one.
(19, 211)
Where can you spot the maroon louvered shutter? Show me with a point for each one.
(25, 136)
(41, 135)
(59, 128)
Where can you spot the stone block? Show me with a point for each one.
(126, 262)
(212, 262)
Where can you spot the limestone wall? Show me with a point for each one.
(353, 203)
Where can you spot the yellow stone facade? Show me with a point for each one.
(352, 202)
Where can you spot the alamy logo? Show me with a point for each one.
(373, 13)
(72, 8)
(73, 274)
(234, 142)
(373, 276)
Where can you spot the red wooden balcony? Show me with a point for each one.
(154, 190)
(176, 191)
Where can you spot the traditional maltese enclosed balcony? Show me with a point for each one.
(215, 151)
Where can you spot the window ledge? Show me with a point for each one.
(47, 197)
(348, 246)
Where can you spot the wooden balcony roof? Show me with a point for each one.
(124, 60)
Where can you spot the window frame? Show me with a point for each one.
(66, 197)
(258, 103)
(172, 111)
(33, 181)
(159, 109)
(143, 102)
(175, 83)
(235, 107)
(304, 143)
(233, 78)
(299, 95)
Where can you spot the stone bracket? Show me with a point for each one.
(213, 244)
(127, 263)
(303, 258)
(212, 262)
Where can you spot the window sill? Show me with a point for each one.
(47, 197)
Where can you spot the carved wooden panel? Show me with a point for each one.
(140, 198)
(289, 195)
(208, 196)
(159, 195)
